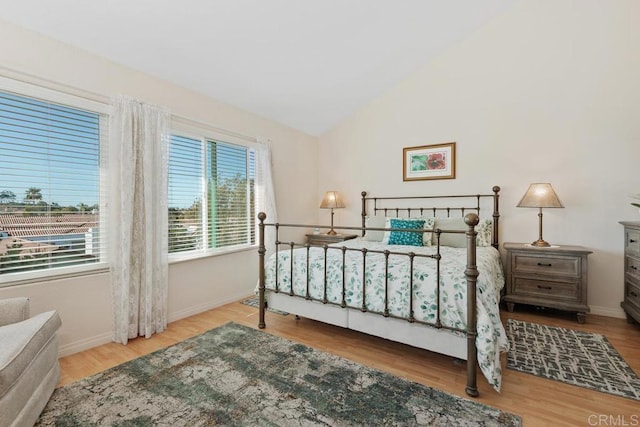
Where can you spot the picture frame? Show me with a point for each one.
(437, 161)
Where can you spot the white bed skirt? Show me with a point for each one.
(414, 334)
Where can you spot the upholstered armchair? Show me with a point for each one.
(29, 368)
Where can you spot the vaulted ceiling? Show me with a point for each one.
(308, 64)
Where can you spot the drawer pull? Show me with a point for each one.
(541, 264)
(545, 287)
(633, 267)
(633, 294)
(632, 241)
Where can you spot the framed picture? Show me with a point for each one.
(429, 162)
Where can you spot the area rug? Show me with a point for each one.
(574, 357)
(238, 376)
(255, 302)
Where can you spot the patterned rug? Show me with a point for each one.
(238, 376)
(579, 358)
(255, 302)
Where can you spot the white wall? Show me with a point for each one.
(84, 303)
(547, 92)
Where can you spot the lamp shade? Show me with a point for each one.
(540, 195)
(332, 200)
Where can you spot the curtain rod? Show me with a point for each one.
(103, 99)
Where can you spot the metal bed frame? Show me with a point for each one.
(379, 206)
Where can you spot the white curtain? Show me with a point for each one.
(138, 211)
(265, 190)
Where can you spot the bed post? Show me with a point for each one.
(364, 211)
(471, 272)
(496, 216)
(262, 250)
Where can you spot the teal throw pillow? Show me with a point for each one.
(406, 237)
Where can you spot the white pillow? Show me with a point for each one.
(387, 224)
(428, 225)
(374, 222)
(458, 240)
(485, 232)
(454, 240)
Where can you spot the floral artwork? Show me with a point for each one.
(429, 162)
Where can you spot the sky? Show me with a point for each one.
(57, 149)
(51, 147)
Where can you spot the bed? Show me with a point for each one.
(421, 272)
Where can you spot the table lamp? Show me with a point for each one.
(332, 200)
(540, 195)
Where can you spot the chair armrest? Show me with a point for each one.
(13, 310)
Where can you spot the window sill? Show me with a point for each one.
(178, 258)
(50, 275)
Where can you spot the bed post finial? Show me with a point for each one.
(471, 219)
(364, 211)
(262, 250)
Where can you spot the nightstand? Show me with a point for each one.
(327, 239)
(554, 277)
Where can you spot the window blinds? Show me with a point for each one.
(211, 195)
(185, 194)
(230, 180)
(49, 185)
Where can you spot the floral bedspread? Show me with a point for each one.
(491, 339)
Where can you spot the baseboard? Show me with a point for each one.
(107, 337)
(607, 311)
(85, 344)
(207, 306)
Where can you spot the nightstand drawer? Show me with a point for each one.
(545, 288)
(632, 241)
(557, 265)
(633, 294)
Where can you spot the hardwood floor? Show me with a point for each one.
(538, 401)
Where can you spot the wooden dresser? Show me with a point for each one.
(631, 303)
(554, 277)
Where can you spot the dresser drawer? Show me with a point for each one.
(633, 294)
(566, 291)
(632, 241)
(556, 265)
(632, 267)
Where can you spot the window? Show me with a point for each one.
(211, 195)
(49, 187)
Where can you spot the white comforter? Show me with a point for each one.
(491, 339)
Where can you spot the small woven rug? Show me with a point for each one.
(238, 376)
(574, 357)
(254, 302)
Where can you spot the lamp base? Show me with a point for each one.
(541, 243)
(332, 232)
